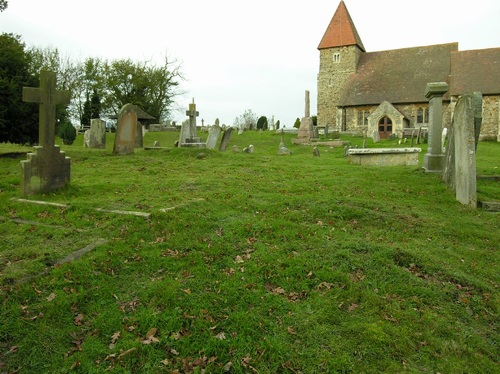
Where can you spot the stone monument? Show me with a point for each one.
(188, 136)
(306, 129)
(126, 130)
(434, 158)
(48, 168)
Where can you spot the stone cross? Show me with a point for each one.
(192, 114)
(308, 106)
(48, 97)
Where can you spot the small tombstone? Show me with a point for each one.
(376, 136)
(249, 149)
(236, 149)
(156, 144)
(315, 152)
(48, 168)
(225, 139)
(126, 130)
(213, 136)
(283, 150)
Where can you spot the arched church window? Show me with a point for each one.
(422, 115)
(336, 57)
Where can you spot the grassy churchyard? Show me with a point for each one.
(246, 263)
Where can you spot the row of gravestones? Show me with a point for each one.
(48, 168)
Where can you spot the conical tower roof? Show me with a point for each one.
(341, 31)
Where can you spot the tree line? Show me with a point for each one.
(99, 87)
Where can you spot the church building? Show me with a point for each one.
(384, 91)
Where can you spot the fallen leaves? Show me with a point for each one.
(291, 296)
(51, 297)
(352, 307)
(78, 320)
(114, 338)
(150, 337)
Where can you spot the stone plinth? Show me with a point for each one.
(306, 131)
(384, 156)
(45, 170)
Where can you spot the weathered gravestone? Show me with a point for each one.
(434, 158)
(225, 139)
(306, 129)
(126, 130)
(48, 168)
(316, 152)
(459, 171)
(213, 136)
(95, 137)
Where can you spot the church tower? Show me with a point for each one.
(340, 50)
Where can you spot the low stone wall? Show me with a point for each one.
(384, 156)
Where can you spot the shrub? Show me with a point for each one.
(67, 133)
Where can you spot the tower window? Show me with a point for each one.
(336, 57)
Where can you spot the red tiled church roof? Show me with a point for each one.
(341, 31)
(399, 75)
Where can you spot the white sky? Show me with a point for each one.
(237, 55)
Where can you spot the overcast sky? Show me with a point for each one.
(237, 55)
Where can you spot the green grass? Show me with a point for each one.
(249, 263)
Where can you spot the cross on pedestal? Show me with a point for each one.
(192, 113)
(48, 97)
(47, 168)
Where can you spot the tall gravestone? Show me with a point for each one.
(126, 130)
(95, 137)
(48, 168)
(306, 129)
(434, 158)
(465, 122)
